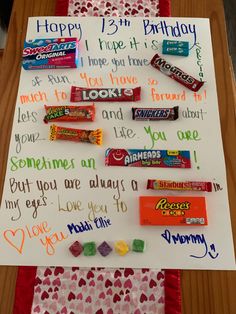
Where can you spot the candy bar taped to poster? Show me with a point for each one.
(116, 157)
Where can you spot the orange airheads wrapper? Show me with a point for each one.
(172, 210)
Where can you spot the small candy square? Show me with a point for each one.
(104, 249)
(138, 245)
(76, 248)
(121, 247)
(89, 248)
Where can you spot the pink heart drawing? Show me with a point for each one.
(37, 309)
(79, 296)
(128, 284)
(117, 283)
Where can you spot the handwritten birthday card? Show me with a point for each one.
(59, 192)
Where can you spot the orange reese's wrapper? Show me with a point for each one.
(172, 210)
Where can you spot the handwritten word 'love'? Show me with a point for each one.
(16, 238)
(186, 239)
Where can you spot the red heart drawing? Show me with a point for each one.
(108, 283)
(47, 272)
(74, 277)
(75, 268)
(152, 283)
(82, 282)
(47, 282)
(17, 233)
(100, 311)
(80, 296)
(127, 291)
(152, 297)
(117, 283)
(44, 295)
(128, 284)
(121, 292)
(102, 295)
(50, 289)
(71, 296)
(37, 281)
(37, 309)
(127, 298)
(90, 274)
(117, 273)
(88, 299)
(92, 283)
(143, 298)
(109, 291)
(128, 271)
(161, 300)
(160, 276)
(56, 282)
(145, 270)
(58, 270)
(116, 298)
(100, 277)
(56, 289)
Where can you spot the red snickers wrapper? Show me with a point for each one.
(155, 114)
(176, 73)
(179, 186)
(104, 94)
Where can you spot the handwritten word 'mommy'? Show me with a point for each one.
(191, 239)
(178, 30)
(60, 29)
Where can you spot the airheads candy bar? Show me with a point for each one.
(104, 94)
(176, 73)
(147, 158)
(53, 53)
(155, 114)
(172, 210)
(179, 186)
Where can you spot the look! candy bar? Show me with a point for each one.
(172, 210)
(176, 73)
(53, 53)
(177, 185)
(147, 158)
(155, 114)
(69, 113)
(76, 135)
(104, 94)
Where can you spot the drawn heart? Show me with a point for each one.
(128, 272)
(88, 299)
(100, 277)
(56, 282)
(71, 296)
(80, 296)
(110, 311)
(160, 276)
(102, 295)
(152, 283)
(161, 300)
(143, 298)
(100, 311)
(108, 283)
(127, 291)
(75, 268)
(64, 310)
(92, 283)
(152, 297)
(47, 281)
(90, 274)
(50, 289)
(117, 274)
(128, 284)
(145, 270)
(44, 295)
(74, 277)
(56, 289)
(47, 272)
(117, 283)
(82, 282)
(109, 291)
(58, 270)
(116, 298)
(121, 292)
(37, 309)
(145, 278)
(37, 281)
(37, 289)
(55, 296)
(127, 298)
(18, 235)
(137, 311)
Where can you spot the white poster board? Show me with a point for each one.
(40, 199)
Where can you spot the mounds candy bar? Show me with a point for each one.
(147, 158)
(53, 53)
(176, 73)
(76, 135)
(104, 94)
(172, 210)
(180, 186)
(69, 113)
(175, 43)
(155, 114)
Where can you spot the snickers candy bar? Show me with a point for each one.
(155, 114)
